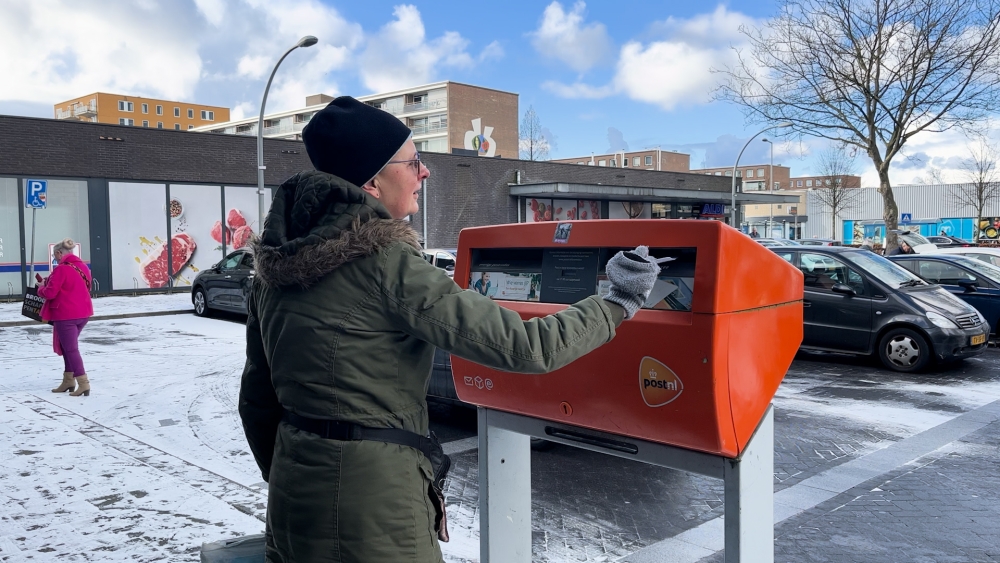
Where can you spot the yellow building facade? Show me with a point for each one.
(136, 111)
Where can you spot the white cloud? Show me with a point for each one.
(563, 36)
(213, 10)
(673, 71)
(400, 54)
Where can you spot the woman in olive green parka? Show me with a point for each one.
(344, 317)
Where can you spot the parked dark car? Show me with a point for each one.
(948, 241)
(973, 281)
(819, 242)
(858, 302)
(225, 286)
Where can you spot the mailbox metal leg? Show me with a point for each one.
(749, 521)
(504, 494)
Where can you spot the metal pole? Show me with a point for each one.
(770, 180)
(262, 203)
(31, 268)
(733, 213)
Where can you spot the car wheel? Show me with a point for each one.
(200, 304)
(905, 350)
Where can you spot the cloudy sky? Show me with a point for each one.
(600, 75)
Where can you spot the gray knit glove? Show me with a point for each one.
(632, 276)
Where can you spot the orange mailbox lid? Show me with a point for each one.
(697, 371)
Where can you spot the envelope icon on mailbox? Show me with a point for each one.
(658, 383)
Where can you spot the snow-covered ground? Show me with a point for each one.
(116, 305)
(151, 464)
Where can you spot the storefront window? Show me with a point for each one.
(66, 215)
(661, 211)
(10, 240)
(139, 235)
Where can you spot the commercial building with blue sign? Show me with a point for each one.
(925, 209)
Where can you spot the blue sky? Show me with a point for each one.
(600, 75)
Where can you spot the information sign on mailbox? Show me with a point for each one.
(696, 368)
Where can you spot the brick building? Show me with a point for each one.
(119, 109)
(443, 116)
(123, 192)
(650, 159)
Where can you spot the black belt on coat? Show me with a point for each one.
(349, 431)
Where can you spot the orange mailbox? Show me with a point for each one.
(696, 368)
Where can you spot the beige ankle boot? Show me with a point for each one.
(84, 386)
(68, 383)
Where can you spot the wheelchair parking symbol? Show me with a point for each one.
(35, 193)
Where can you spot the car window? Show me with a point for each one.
(823, 272)
(445, 261)
(910, 265)
(247, 262)
(231, 261)
(941, 272)
(429, 257)
(882, 269)
(787, 257)
(988, 258)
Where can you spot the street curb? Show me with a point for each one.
(7, 324)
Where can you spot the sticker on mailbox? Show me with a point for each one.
(658, 383)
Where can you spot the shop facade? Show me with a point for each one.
(151, 208)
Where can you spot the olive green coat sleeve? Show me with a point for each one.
(258, 404)
(433, 308)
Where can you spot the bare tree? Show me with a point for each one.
(532, 143)
(983, 187)
(871, 73)
(836, 163)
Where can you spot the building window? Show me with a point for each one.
(159, 110)
(190, 113)
(809, 183)
(591, 163)
(635, 161)
(649, 161)
(177, 112)
(125, 106)
(145, 123)
(837, 181)
(777, 185)
(159, 125)
(827, 181)
(614, 163)
(739, 173)
(779, 206)
(125, 121)
(602, 163)
(798, 183)
(210, 116)
(729, 173)
(145, 108)
(177, 126)
(749, 173)
(190, 127)
(760, 172)
(624, 162)
(719, 174)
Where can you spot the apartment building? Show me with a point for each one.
(650, 159)
(444, 117)
(756, 177)
(120, 109)
(806, 182)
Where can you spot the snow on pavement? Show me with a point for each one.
(116, 305)
(153, 463)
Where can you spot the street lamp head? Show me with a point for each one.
(783, 125)
(765, 140)
(307, 41)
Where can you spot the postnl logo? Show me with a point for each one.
(658, 383)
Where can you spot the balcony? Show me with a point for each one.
(412, 108)
(428, 129)
(284, 129)
(85, 110)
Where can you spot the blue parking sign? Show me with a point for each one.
(35, 193)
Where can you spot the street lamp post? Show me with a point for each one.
(262, 203)
(770, 186)
(732, 209)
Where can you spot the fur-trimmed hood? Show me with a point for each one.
(317, 223)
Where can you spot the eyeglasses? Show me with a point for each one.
(413, 162)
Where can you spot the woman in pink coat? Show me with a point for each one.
(68, 306)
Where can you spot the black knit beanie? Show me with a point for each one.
(353, 140)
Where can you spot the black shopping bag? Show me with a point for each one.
(32, 307)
